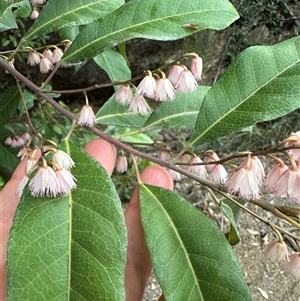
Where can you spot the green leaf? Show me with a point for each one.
(261, 84)
(70, 247)
(180, 113)
(114, 65)
(150, 19)
(191, 257)
(232, 212)
(29, 100)
(9, 102)
(8, 17)
(63, 13)
(112, 113)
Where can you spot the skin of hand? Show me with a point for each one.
(138, 265)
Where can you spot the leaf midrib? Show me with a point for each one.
(241, 103)
(181, 244)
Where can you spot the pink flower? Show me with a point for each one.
(20, 141)
(47, 53)
(274, 175)
(139, 105)
(87, 116)
(26, 136)
(276, 251)
(8, 141)
(34, 14)
(24, 151)
(217, 172)
(164, 90)
(44, 183)
(288, 184)
(22, 185)
(124, 95)
(198, 170)
(292, 265)
(31, 164)
(186, 82)
(66, 180)
(121, 164)
(14, 143)
(184, 159)
(164, 154)
(45, 65)
(63, 159)
(175, 73)
(196, 67)
(147, 87)
(33, 58)
(56, 55)
(257, 167)
(294, 139)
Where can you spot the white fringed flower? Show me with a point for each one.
(63, 159)
(87, 116)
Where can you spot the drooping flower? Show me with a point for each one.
(24, 151)
(34, 14)
(164, 90)
(274, 175)
(244, 181)
(198, 170)
(175, 175)
(47, 53)
(139, 105)
(22, 185)
(186, 82)
(292, 140)
(164, 154)
(87, 116)
(124, 95)
(184, 158)
(276, 251)
(288, 184)
(196, 67)
(121, 164)
(175, 73)
(8, 141)
(292, 265)
(56, 55)
(20, 141)
(45, 65)
(217, 172)
(63, 159)
(257, 167)
(44, 182)
(33, 58)
(66, 181)
(147, 86)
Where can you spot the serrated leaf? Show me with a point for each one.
(8, 17)
(70, 247)
(112, 113)
(180, 113)
(114, 64)
(150, 19)
(191, 257)
(261, 84)
(9, 102)
(63, 13)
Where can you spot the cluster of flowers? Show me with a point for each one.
(52, 177)
(246, 180)
(277, 251)
(160, 87)
(17, 141)
(48, 58)
(154, 86)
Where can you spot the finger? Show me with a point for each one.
(104, 152)
(138, 265)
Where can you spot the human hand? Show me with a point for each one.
(138, 265)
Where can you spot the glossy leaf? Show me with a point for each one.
(150, 19)
(114, 64)
(261, 84)
(112, 113)
(64, 13)
(180, 113)
(191, 257)
(9, 11)
(70, 247)
(9, 101)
